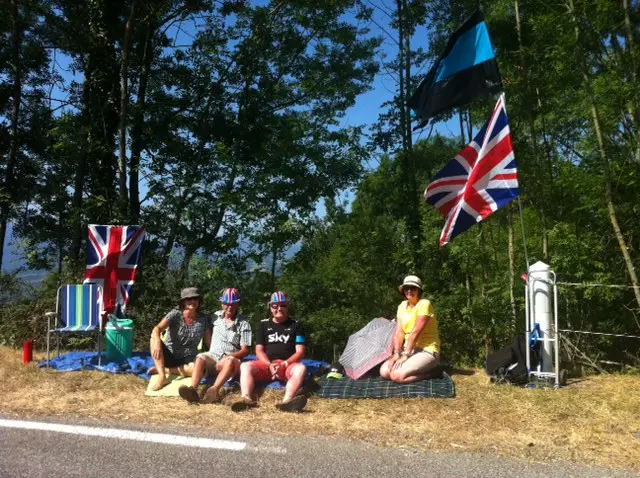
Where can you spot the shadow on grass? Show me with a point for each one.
(461, 371)
(451, 370)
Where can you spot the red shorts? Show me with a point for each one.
(263, 374)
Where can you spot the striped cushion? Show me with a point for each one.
(79, 308)
(80, 328)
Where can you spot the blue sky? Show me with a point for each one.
(364, 112)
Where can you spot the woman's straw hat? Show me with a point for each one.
(410, 281)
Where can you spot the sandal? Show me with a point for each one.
(243, 404)
(189, 393)
(213, 396)
(159, 385)
(296, 404)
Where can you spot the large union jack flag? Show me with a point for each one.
(478, 181)
(112, 261)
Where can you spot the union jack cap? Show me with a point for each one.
(230, 296)
(278, 297)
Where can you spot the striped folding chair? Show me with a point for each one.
(78, 311)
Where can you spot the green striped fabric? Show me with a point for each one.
(79, 309)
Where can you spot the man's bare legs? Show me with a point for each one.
(227, 367)
(298, 372)
(247, 380)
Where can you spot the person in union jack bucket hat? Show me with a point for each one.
(230, 296)
(278, 297)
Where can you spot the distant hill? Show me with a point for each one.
(13, 260)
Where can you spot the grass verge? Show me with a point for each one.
(594, 421)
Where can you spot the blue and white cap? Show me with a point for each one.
(278, 298)
(230, 296)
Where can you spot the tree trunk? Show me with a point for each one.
(137, 127)
(467, 284)
(634, 107)
(75, 218)
(463, 142)
(274, 259)
(401, 93)
(16, 69)
(171, 239)
(534, 135)
(102, 108)
(633, 54)
(407, 74)
(124, 103)
(613, 217)
(186, 260)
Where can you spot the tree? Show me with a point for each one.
(23, 62)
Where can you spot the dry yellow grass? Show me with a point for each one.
(594, 421)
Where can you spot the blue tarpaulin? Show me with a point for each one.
(139, 364)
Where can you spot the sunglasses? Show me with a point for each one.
(410, 288)
(275, 306)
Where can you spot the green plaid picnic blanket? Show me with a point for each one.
(377, 387)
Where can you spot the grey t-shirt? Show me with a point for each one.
(182, 339)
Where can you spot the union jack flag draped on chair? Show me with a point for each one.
(112, 261)
(478, 181)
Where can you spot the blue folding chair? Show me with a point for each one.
(78, 311)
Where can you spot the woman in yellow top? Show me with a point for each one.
(416, 341)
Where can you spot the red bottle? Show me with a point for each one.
(27, 351)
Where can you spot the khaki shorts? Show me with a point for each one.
(213, 365)
(210, 362)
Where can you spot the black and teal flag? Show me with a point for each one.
(466, 70)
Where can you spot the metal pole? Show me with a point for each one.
(527, 331)
(556, 331)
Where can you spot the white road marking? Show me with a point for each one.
(126, 435)
(277, 450)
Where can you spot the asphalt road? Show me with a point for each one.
(38, 453)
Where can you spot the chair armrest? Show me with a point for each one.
(48, 315)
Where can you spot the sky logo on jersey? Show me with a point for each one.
(278, 338)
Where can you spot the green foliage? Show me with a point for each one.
(237, 136)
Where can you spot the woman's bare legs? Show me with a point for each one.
(416, 367)
(385, 369)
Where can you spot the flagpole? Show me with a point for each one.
(524, 236)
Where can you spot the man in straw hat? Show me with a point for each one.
(416, 340)
(230, 343)
(280, 346)
(185, 327)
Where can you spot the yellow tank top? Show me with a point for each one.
(429, 338)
